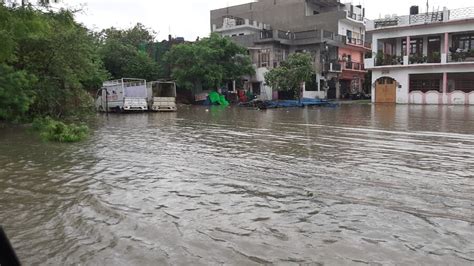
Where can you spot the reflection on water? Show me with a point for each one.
(356, 184)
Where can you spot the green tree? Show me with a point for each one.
(292, 73)
(16, 94)
(208, 63)
(51, 55)
(129, 53)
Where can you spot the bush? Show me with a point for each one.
(58, 131)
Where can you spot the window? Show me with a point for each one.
(465, 42)
(416, 47)
(461, 82)
(264, 57)
(312, 85)
(426, 82)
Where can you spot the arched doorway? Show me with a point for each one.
(386, 90)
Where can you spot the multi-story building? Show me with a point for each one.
(334, 34)
(423, 58)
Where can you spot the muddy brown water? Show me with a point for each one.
(359, 184)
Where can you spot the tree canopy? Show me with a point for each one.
(47, 62)
(125, 53)
(291, 73)
(208, 63)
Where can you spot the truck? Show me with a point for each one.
(162, 96)
(126, 94)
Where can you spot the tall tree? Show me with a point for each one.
(208, 62)
(51, 55)
(291, 74)
(126, 53)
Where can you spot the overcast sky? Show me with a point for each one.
(190, 18)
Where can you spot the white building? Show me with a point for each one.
(437, 67)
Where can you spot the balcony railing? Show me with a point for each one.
(353, 66)
(388, 60)
(460, 55)
(298, 37)
(355, 16)
(424, 18)
(333, 66)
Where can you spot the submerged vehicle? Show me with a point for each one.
(162, 96)
(122, 95)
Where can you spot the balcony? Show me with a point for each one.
(358, 42)
(333, 67)
(424, 18)
(353, 66)
(301, 37)
(355, 16)
(460, 55)
(230, 23)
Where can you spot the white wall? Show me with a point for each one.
(266, 91)
(344, 26)
(401, 75)
(432, 29)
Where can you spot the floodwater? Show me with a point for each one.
(359, 184)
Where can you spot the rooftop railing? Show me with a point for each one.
(424, 18)
(355, 16)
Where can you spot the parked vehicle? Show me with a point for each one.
(162, 96)
(122, 95)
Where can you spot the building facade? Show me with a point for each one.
(333, 33)
(423, 58)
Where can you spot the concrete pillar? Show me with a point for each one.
(446, 42)
(425, 45)
(445, 82)
(399, 51)
(445, 51)
(318, 81)
(445, 87)
(408, 46)
(338, 89)
(233, 85)
(445, 14)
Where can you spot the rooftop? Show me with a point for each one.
(444, 15)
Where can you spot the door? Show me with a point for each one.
(386, 91)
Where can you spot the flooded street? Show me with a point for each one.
(359, 184)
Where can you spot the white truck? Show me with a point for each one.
(122, 95)
(162, 96)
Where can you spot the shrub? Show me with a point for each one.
(58, 131)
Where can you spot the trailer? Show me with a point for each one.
(162, 96)
(122, 95)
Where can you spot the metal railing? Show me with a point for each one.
(307, 35)
(354, 66)
(317, 35)
(461, 13)
(355, 16)
(424, 18)
(354, 41)
(333, 66)
(461, 56)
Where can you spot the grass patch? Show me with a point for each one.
(53, 130)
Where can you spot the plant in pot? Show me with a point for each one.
(399, 60)
(379, 60)
(434, 57)
(387, 60)
(471, 53)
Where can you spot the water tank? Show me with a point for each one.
(414, 10)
